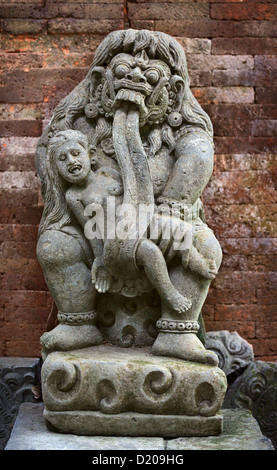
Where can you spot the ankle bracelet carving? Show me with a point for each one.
(177, 326)
(76, 318)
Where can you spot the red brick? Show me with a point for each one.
(219, 195)
(254, 29)
(2, 346)
(110, 12)
(19, 249)
(252, 46)
(157, 11)
(16, 163)
(245, 330)
(232, 263)
(20, 60)
(26, 128)
(239, 114)
(215, 95)
(23, 348)
(244, 78)
(200, 29)
(243, 11)
(44, 77)
(245, 144)
(69, 9)
(266, 95)
(83, 26)
(19, 233)
(27, 305)
(229, 119)
(249, 246)
(245, 313)
(265, 348)
(262, 263)
(15, 215)
(266, 62)
(18, 94)
(267, 296)
(24, 26)
(19, 197)
(261, 127)
(22, 11)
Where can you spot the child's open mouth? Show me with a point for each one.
(75, 168)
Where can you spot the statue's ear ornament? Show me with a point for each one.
(91, 110)
(175, 119)
(177, 86)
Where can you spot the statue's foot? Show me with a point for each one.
(177, 301)
(186, 346)
(205, 267)
(69, 337)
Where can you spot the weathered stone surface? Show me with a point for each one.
(31, 433)
(232, 350)
(240, 432)
(256, 390)
(115, 391)
(17, 377)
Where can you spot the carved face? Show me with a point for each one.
(140, 81)
(73, 162)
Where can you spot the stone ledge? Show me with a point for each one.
(240, 432)
(133, 424)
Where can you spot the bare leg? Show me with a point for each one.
(150, 257)
(185, 344)
(69, 281)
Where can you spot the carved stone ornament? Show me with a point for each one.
(123, 242)
(256, 390)
(17, 379)
(232, 350)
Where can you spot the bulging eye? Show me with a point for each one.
(121, 70)
(152, 76)
(62, 157)
(75, 153)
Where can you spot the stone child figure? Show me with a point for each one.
(140, 117)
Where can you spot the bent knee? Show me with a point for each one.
(207, 244)
(58, 248)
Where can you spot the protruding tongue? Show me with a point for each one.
(119, 254)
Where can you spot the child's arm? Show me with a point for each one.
(100, 276)
(77, 208)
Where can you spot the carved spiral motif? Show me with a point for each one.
(107, 397)
(205, 399)
(157, 383)
(255, 386)
(62, 381)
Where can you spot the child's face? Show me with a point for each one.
(73, 162)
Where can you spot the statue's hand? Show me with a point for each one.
(100, 276)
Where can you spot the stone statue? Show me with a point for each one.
(132, 144)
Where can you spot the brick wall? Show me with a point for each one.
(231, 46)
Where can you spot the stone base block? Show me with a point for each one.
(90, 423)
(129, 392)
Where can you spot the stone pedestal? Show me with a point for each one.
(107, 390)
(240, 432)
